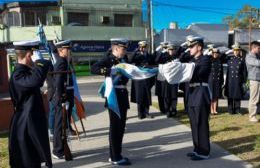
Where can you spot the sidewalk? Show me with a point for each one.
(149, 143)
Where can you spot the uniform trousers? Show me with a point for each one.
(170, 105)
(58, 146)
(143, 110)
(161, 104)
(116, 133)
(234, 105)
(199, 116)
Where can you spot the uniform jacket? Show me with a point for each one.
(103, 67)
(141, 89)
(62, 81)
(216, 78)
(28, 139)
(200, 95)
(236, 76)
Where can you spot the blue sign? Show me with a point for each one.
(98, 46)
(10, 1)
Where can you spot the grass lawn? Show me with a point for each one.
(232, 132)
(4, 162)
(82, 70)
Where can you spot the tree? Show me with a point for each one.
(242, 18)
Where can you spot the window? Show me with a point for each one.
(55, 20)
(13, 19)
(31, 18)
(105, 19)
(123, 20)
(80, 18)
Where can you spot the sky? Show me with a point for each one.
(185, 12)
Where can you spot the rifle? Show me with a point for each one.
(67, 152)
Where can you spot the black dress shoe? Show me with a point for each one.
(169, 115)
(122, 162)
(163, 112)
(174, 113)
(149, 116)
(58, 157)
(141, 117)
(231, 112)
(198, 157)
(190, 154)
(238, 112)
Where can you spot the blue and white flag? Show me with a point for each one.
(134, 72)
(107, 89)
(44, 42)
(174, 72)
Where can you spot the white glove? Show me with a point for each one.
(206, 52)
(36, 56)
(184, 44)
(229, 52)
(187, 50)
(164, 51)
(159, 48)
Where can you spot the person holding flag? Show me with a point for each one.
(141, 89)
(117, 115)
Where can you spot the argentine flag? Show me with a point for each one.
(174, 72)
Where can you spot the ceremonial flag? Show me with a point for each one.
(176, 72)
(107, 89)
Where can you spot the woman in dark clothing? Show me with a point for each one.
(215, 80)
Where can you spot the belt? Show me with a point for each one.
(69, 87)
(198, 84)
(120, 87)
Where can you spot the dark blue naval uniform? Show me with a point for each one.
(184, 58)
(236, 76)
(199, 105)
(117, 125)
(170, 91)
(141, 89)
(63, 92)
(159, 86)
(28, 138)
(216, 78)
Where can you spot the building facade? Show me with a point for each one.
(89, 24)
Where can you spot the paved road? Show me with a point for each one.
(149, 143)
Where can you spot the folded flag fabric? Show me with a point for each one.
(110, 94)
(107, 89)
(176, 72)
(134, 72)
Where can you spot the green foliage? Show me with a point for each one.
(242, 18)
